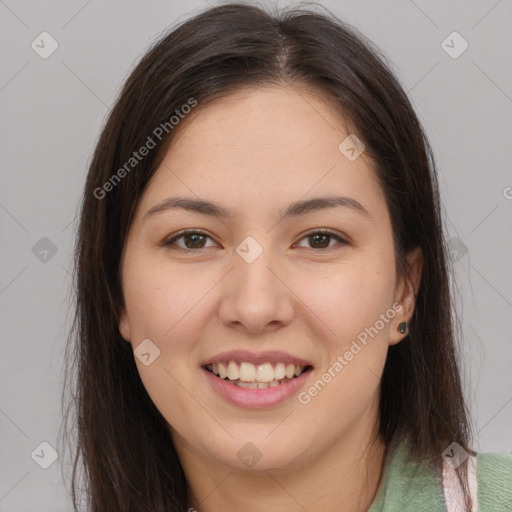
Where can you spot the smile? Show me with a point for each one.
(251, 376)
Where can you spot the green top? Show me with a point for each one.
(409, 486)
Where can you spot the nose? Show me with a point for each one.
(255, 297)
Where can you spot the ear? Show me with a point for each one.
(406, 293)
(124, 326)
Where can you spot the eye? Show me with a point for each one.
(194, 240)
(321, 238)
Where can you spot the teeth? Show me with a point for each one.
(258, 385)
(279, 371)
(265, 373)
(290, 370)
(233, 371)
(223, 372)
(248, 375)
(248, 385)
(247, 372)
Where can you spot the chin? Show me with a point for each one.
(248, 452)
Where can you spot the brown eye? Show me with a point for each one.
(196, 240)
(193, 240)
(322, 239)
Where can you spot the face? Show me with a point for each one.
(264, 289)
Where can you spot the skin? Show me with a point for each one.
(255, 152)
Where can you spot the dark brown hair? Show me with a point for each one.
(127, 453)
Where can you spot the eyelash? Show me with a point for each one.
(170, 242)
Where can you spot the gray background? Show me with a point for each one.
(52, 111)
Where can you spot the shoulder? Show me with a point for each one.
(407, 485)
(490, 483)
(494, 480)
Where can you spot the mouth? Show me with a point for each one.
(247, 375)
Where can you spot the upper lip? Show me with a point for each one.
(272, 356)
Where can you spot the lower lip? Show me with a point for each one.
(256, 398)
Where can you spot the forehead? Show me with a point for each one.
(263, 145)
(271, 118)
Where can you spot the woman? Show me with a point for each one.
(263, 309)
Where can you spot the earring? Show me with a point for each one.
(402, 327)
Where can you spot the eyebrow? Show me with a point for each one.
(297, 208)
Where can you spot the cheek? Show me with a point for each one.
(165, 306)
(349, 299)
(354, 305)
(159, 297)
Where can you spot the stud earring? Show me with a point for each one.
(402, 327)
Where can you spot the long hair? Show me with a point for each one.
(123, 444)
